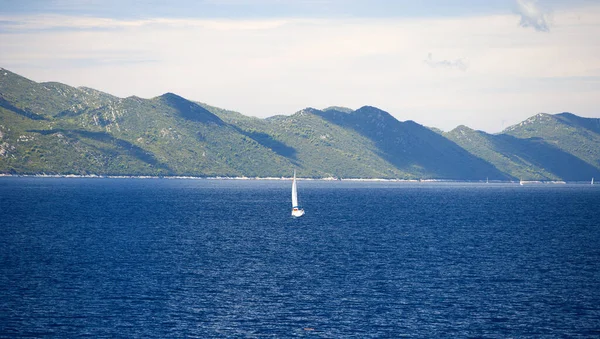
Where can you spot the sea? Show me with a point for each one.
(180, 258)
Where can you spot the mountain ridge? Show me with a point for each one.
(58, 129)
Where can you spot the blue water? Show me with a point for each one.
(160, 258)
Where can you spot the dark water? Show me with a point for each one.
(200, 258)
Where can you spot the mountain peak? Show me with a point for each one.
(368, 108)
(462, 132)
(462, 128)
(338, 109)
(373, 113)
(189, 109)
(308, 110)
(171, 96)
(539, 118)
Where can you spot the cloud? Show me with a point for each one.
(459, 64)
(533, 15)
(20, 24)
(415, 67)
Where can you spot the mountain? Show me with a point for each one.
(573, 135)
(543, 147)
(320, 148)
(49, 128)
(54, 128)
(42, 101)
(411, 147)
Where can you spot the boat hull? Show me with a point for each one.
(297, 213)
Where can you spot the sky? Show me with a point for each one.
(442, 63)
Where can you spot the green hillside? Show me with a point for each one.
(574, 135)
(413, 148)
(319, 148)
(81, 131)
(54, 128)
(543, 147)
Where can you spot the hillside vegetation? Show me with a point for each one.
(54, 128)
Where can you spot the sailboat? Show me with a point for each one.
(521, 182)
(296, 210)
(592, 180)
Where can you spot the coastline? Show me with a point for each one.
(96, 176)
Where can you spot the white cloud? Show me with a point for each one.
(278, 66)
(532, 15)
(459, 64)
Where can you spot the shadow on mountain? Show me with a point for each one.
(104, 137)
(190, 110)
(267, 141)
(543, 155)
(412, 147)
(7, 105)
(71, 113)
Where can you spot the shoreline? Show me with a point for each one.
(95, 176)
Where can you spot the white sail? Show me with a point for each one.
(296, 211)
(592, 181)
(294, 192)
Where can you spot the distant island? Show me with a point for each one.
(55, 129)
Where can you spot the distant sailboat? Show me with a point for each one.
(487, 180)
(296, 210)
(521, 182)
(592, 180)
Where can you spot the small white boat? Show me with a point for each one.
(521, 182)
(592, 180)
(296, 210)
